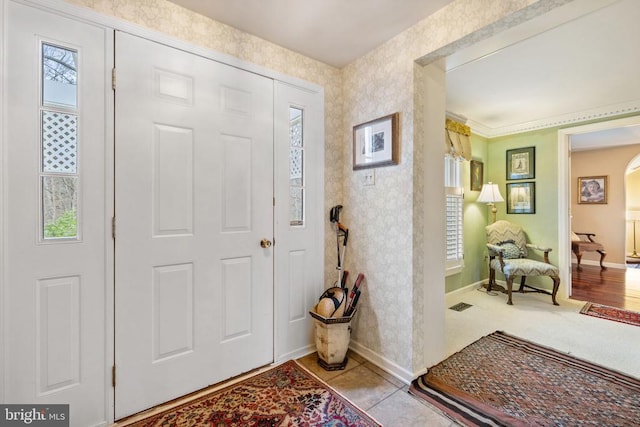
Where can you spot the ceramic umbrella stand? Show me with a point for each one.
(332, 340)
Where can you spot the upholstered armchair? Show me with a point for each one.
(508, 250)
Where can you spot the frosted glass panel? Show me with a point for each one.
(296, 167)
(295, 117)
(296, 205)
(59, 76)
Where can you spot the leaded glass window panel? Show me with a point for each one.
(296, 167)
(59, 142)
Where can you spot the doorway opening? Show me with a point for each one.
(568, 143)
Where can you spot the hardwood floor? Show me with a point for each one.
(615, 287)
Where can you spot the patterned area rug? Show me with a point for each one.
(286, 395)
(611, 313)
(501, 380)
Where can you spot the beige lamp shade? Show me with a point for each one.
(490, 193)
(633, 215)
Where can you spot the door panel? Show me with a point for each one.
(299, 215)
(194, 191)
(172, 181)
(54, 306)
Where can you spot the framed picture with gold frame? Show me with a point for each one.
(593, 190)
(476, 170)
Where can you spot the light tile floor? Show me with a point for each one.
(381, 395)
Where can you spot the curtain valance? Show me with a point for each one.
(457, 139)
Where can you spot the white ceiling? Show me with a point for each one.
(335, 32)
(579, 62)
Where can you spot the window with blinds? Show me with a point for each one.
(454, 226)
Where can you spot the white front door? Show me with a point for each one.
(194, 200)
(56, 235)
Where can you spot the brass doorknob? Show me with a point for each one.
(265, 243)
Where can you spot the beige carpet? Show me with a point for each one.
(533, 317)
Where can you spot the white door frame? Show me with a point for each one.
(564, 192)
(3, 205)
(76, 12)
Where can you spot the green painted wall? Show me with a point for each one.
(475, 220)
(541, 227)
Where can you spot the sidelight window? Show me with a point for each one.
(59, 178)
(296, 167)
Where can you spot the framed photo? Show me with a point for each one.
(521, 198)
(476, 169)
(521, 163)
(375, 143)
(592, 190)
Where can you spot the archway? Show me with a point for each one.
(632, 211)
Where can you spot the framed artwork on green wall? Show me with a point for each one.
(521, 163)
(521, 197)
(476, 169)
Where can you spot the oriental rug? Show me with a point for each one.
(286, 395)
(502, 380)
(611, 313)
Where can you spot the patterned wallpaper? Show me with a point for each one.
(381, 218)
(385, 218)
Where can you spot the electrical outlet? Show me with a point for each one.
(369, 177)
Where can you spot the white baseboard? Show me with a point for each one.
(383, 363)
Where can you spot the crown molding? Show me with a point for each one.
(555, 121)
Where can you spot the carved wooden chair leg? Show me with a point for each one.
(556, 286)
(579, 256)
(523, 279)
(509, 289)
(602, 255)
(492, 279)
